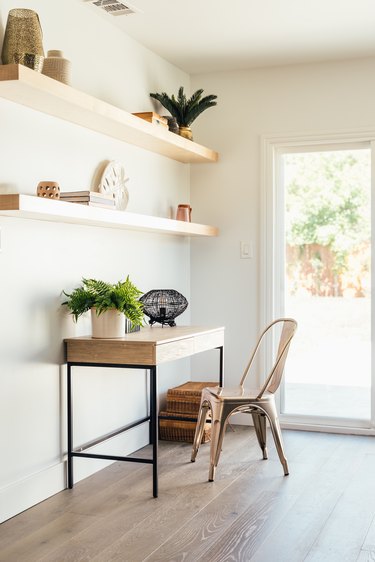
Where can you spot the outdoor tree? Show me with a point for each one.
(328, 218)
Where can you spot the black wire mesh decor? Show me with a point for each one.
(163, 306)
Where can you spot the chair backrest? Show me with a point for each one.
(286, 328)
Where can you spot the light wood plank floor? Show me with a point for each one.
(324, 511)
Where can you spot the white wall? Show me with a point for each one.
(297, 99)
(39, 259)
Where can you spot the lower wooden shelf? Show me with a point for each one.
(32, 207)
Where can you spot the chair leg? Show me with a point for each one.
(220, 416)
(260, 430)
(202, 416)
(271, 411)
(217, 435)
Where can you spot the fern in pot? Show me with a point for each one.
(185, 110)
(115, 308)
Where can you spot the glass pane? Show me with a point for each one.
(328, 285)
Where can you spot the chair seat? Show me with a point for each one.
(236, 393)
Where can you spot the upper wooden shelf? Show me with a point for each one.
(32, 207)
(27, 87)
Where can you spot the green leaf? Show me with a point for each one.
(185, 110)
(122, 296)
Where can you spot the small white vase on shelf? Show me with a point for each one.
(56, 67)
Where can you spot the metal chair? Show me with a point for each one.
(259, 402)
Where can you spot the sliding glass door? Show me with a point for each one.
(327, 282)
(318, 271)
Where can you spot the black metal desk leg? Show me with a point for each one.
(70, 426)
(221, 368)
(154, 428)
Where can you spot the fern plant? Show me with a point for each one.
(122, 296)
(184, 110)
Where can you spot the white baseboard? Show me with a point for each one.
(25, 493)
(37, 487)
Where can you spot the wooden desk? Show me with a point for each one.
(141, 350)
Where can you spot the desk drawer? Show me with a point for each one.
(174, 350)
(99, 351)
(208, 341)
(170, 351)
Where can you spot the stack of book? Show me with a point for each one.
(91, 198)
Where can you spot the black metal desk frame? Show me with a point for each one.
(152, 418)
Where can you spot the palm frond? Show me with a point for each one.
(199, 107)
(170, 103)
(195, 99)
(185, 110)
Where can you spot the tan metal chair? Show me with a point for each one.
(259, 402)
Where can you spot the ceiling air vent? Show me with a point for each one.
(114, 7)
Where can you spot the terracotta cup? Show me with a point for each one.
(184, 213)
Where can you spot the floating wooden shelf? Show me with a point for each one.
(27, 87)
(32, 207)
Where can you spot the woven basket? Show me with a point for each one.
(177, 430)
(186, 398)
(23, 34)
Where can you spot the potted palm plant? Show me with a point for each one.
(113, 307)
(184, 110)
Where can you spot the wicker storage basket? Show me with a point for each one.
(178, 430)
(183, 402)
(186, 398)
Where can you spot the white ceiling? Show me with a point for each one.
(202, 36)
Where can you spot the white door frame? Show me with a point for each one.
(272, 248)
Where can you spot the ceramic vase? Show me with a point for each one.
(57, 67)
(186, 132)
(48, 189)
(172, 124)
(109, 324)
(23, 35)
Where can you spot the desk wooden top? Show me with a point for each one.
(149, 346)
